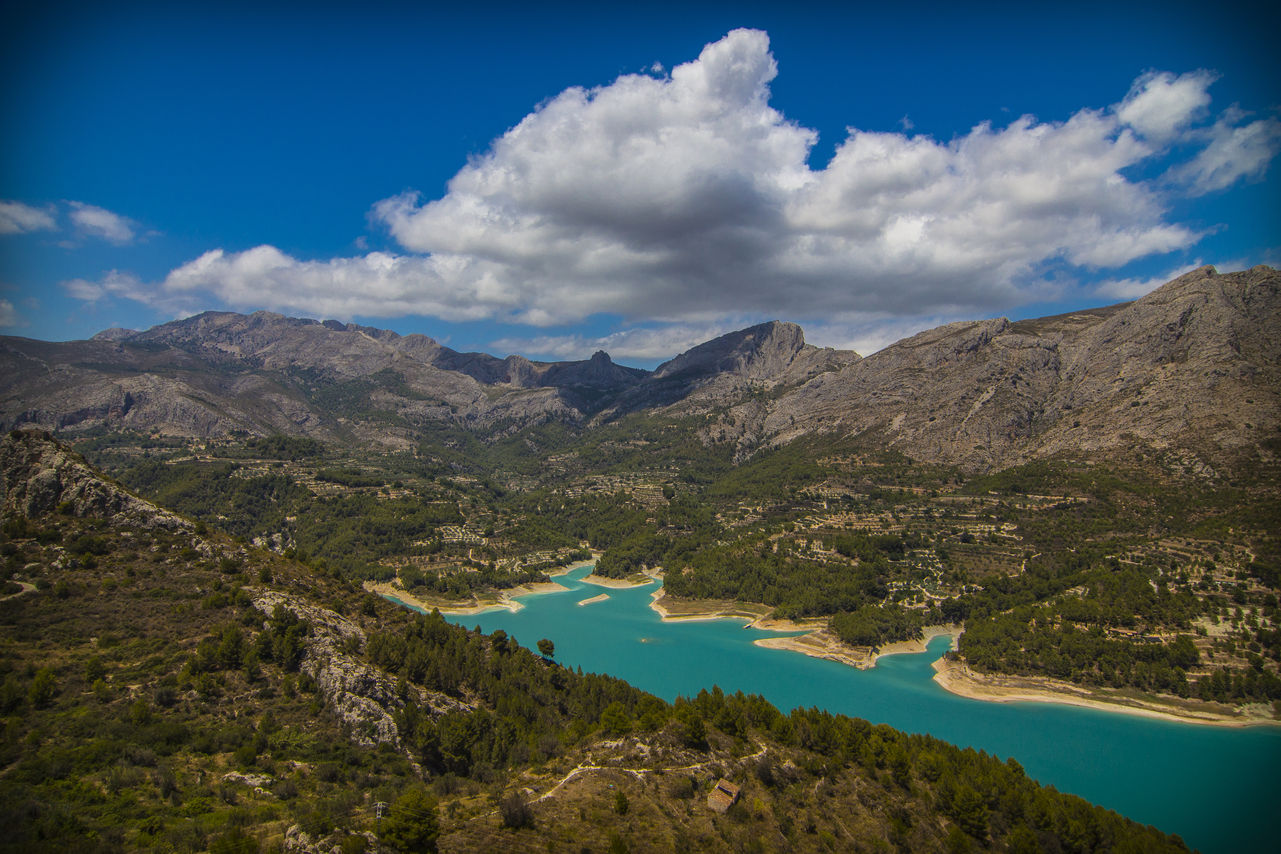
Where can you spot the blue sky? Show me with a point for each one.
(559, 179)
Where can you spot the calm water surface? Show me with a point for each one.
(1216, 787)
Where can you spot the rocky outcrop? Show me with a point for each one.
(363, 696)
(723, 370)
(39, 475)
(299, 841)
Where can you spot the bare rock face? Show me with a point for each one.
(760, 352)
(362, 695)
(39, 475)
(1195, 364)
(722, 370)
(266, 373)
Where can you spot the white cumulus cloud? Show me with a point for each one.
(102, 223)
(1160, 104)
(675, 197)
(1235, 152)
(686, 198)
(17, 218)
(114, 284)
(378, 284)
(1129, 289)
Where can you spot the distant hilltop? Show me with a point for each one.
(1193, 365)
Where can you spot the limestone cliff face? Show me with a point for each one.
(1194, 364)
(39, 475)
(723, 370)
(759, 352)
(365, 697)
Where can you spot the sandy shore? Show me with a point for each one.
(488, 601)
(566, 570)
(616, 583)
(816, 641)
(753, 616)
(601, 598)
(500, 599)
(959, 679)
(821, 643)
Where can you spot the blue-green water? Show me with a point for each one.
(1217, 787)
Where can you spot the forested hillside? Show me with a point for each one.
(1131, 570)
(166, 687)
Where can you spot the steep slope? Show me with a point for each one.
(217, 372)
(720, 371)
(148, 385)
(1195, 364)
(40, 476)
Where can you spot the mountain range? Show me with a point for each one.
(1194, 365)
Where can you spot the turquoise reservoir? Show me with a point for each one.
(1217, 787)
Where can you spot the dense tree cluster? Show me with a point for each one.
(1034, 641)
(1229, 685)
(529, 704)
(458, 584)
(874, 625)
(350, 532)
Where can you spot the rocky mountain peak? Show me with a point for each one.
(115, 333)
(1193, 364)
(1207, 271)
(759, 352)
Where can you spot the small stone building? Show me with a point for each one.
(722, 796)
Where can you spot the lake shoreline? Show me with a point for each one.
(823, 644)
(618, 583)
(673, 610)
(492, 600)
(957, 678)
(954, 677)
(812, 638)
